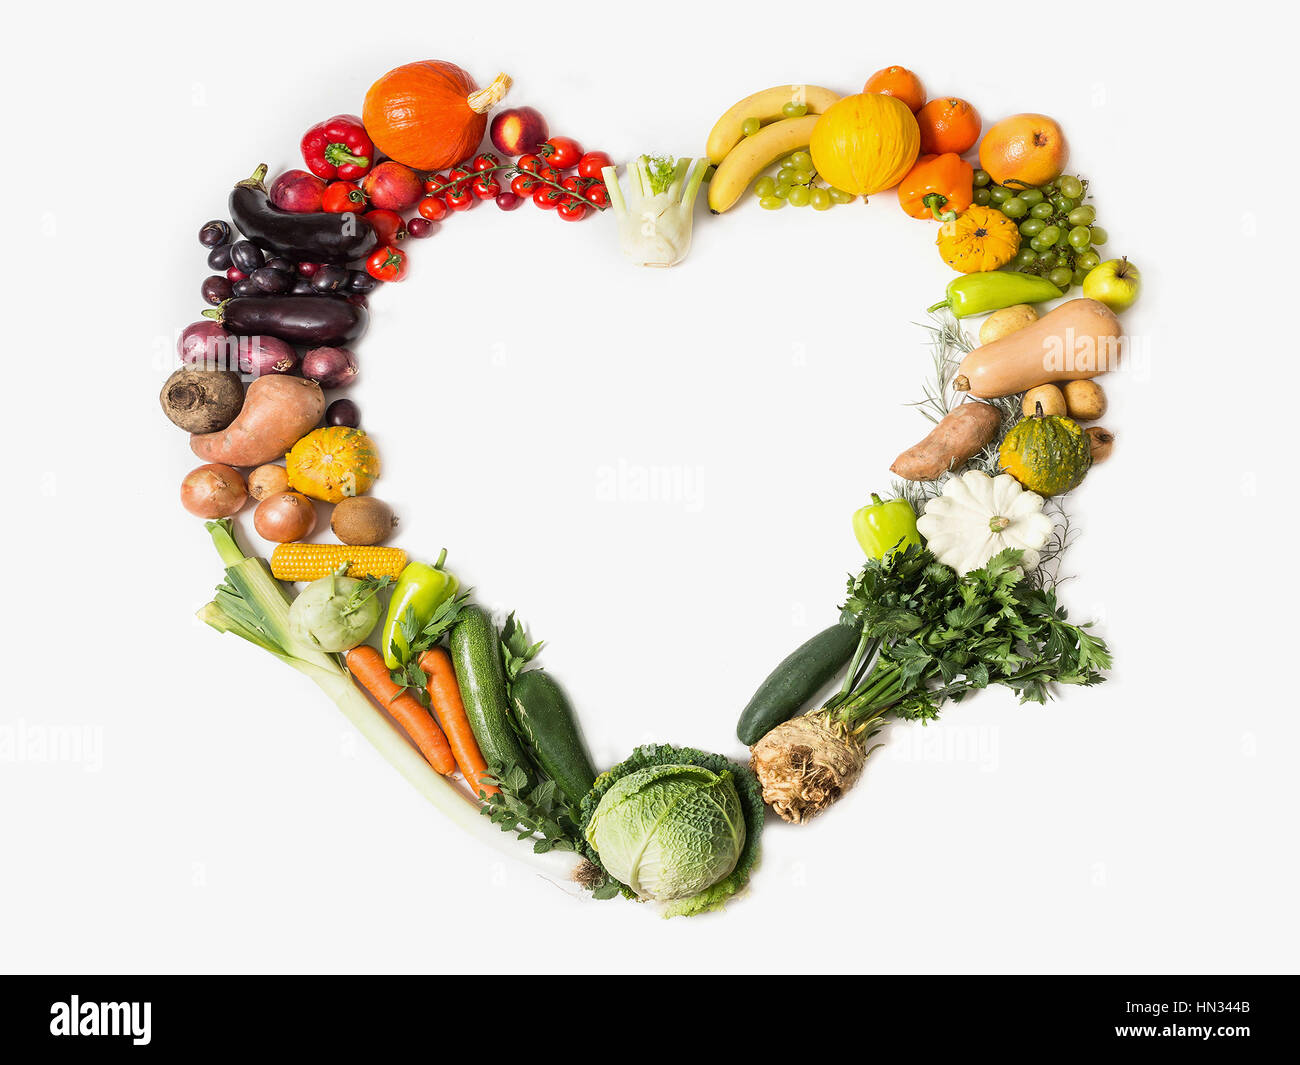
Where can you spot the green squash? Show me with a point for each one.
(1048, 454)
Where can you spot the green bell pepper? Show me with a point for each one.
(993, 290)
(420, 589)
(883, 526)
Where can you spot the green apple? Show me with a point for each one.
(1115, 283)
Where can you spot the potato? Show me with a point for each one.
(1051, 397)
(278, 412)
(1084, 400)
(1101, 441)
(1009, 320)
(202, 401)
(960, 435)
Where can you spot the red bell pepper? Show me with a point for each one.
(338, 149)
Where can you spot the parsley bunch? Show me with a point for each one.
(938, 636)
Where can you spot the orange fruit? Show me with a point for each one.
(948, 124)
(900, 82)
(1024, 150)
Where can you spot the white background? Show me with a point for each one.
(231, 822)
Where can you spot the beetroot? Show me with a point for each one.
(297, 191)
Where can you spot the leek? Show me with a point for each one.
(252, 605)
(654, 221)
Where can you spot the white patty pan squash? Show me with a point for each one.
(977, 516)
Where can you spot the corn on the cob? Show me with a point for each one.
(310, 562)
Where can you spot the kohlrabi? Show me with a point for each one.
(654, 221)
(335, 613)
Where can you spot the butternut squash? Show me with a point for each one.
(1077, 341)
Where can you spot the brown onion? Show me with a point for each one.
(265, 355)
(213, 491)
(267, 481)
(330, 367)
(284, 517)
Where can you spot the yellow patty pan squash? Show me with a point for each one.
(866, 143)
(978, 240)
(333, 463)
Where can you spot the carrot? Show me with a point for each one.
(444, 693)
(367, 665)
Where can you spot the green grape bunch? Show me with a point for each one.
(1059, 236)
(795, 183)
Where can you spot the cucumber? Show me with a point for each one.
(481, 677)
(546, 721)
(799, 677)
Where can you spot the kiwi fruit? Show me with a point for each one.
(362, 521)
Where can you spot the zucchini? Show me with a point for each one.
(799, 677)
(481, 677)
(549, 727)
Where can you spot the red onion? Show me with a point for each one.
(284, 517)
(264, 355)
(213, 491)
(330, 367)
(297, 191)
(205, 345)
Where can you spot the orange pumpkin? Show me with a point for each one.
(429, 115)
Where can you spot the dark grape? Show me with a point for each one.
(247, 256)
(215, 289)
(279, 262)
(245, 288)
(308, 269)
(343, 412)
(302, 287)
(219, 257)
(422, 227)
(214, 233)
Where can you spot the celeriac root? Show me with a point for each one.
(807, 763)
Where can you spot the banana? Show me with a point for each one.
(766, 107)
(755, 154)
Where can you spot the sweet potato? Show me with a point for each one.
(278, 412)
(956, 438)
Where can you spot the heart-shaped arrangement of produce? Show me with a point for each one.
(956, 591)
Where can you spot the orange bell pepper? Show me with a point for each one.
(938, 186)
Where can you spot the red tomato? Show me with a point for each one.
(460, 198)
(561, 152)
(530, 164)
(388, 225)
(548, 173)
(436, 184)
(571, 210)
(591, 164)
(486, 161)
(432, 208)
(387, 264)
(524, 185)
(342, 196)
(598, 194)
(574, 183)
(548, 198)
(485, 187)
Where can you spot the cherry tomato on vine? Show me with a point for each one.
(530, 164)
(524, 185)
(436, 184)
(548, 198)
(342, 196)
(432, 208)
(386, 264)
(460, 198)
(485, 187)
(571, 210)
(388, 225)
(561, 152)
(574, 184)
(597, 194)
(486, 161)
(591, 164)
(549, 173)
